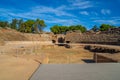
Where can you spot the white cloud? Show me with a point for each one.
(84, 13)
(63, 21)
(108, 21)
(116, 18)
(105, 11)
(94, 13)
(57, 11)
(46, 13)
(5, 14)
(35, 12)
(80, 4)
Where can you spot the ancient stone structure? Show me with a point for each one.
(112, 36)
(104, 53)
(106, 58)
(58, 38)
(13, 35)
(112, 31)
(102, 48)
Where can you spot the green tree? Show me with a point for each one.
(71, 28)
(39, 25)
(77, 27)
(95, 28)
(20, 22)
(4, 24)
(105, 27)
(63, 29)
(55, 29)
(22, 27)
(28, 26)
(81, 28)
(14, 24)
(42, 25)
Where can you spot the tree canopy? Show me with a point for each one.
(95, 28)
(37, 26)
(31, 26)
(57, 29)
(105, 27)
(28, 26)
(4, 24)
(63, 29)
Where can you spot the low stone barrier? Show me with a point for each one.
(105, 58)
(103, 48)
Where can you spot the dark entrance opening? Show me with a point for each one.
(67, 41)
(60, 40)
(53, 41)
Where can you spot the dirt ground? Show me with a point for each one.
(21, 66)
(15, 68)
(62, 55)
(20, 56)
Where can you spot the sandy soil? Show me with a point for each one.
(22, 66)
(62, 55)
(15, 68)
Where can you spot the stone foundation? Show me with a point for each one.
(104, 58)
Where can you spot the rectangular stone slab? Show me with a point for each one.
(103, 71)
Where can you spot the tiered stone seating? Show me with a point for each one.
(13, 35)
(108, 37)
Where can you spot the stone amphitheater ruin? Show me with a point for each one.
(46, 48)
(98, 42)
(112, 36)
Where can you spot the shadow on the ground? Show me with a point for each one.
(88, 60)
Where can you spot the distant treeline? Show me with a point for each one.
(36, 26)
(29, 26)
(56, 29)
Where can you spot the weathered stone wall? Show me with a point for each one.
(108, 37)
(13, 35)
(112, 31)
(58, 38)
(99, 58)
(37, 37)
(103, 48)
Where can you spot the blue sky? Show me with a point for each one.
(63, 12)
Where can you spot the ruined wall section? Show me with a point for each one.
(13, 35)
(111, 36)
